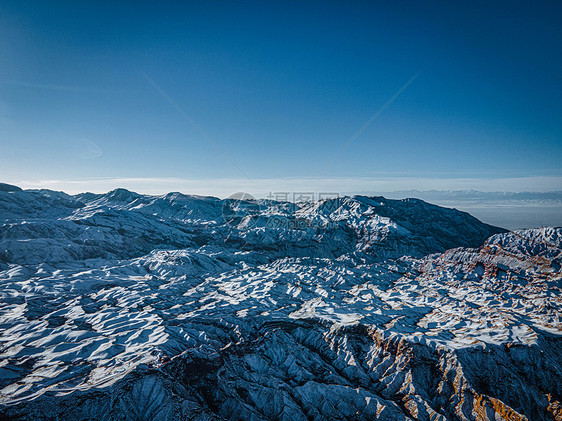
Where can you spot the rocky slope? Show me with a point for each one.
(124, 306)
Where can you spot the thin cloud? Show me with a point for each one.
(262, 187)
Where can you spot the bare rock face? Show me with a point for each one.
(131, 307)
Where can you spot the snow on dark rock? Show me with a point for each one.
(126, 306)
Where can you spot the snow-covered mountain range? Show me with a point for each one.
(125, 306)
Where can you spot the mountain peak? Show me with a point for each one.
(122, 195)
(9, 187)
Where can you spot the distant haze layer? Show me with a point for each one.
(504, 209)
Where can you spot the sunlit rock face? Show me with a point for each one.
(122, 306)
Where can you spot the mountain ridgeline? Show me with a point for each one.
(60, 228)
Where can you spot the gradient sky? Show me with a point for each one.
(280, 87)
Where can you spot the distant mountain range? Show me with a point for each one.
(554, 197)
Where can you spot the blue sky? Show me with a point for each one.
(280, 87)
